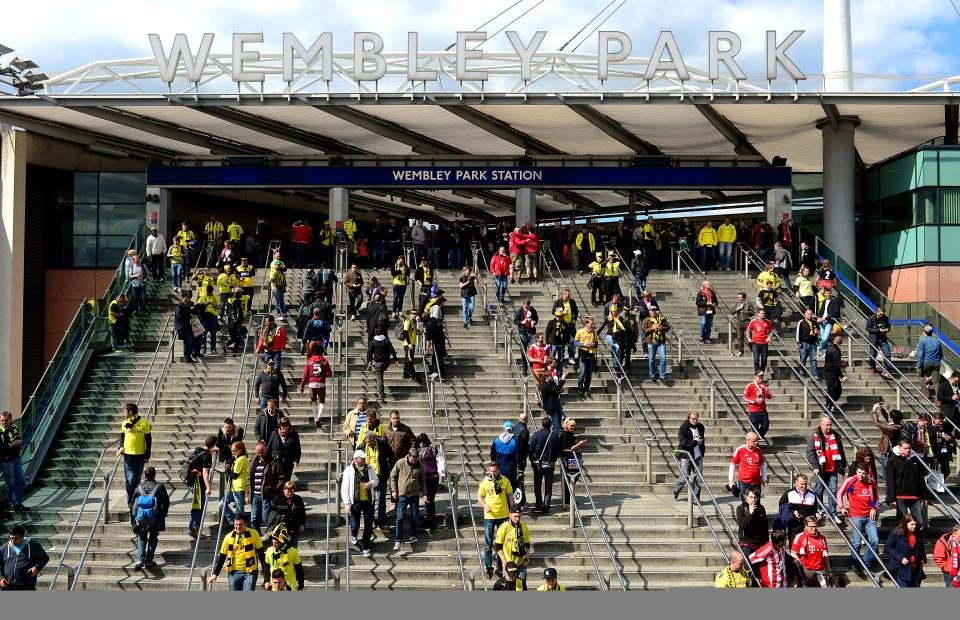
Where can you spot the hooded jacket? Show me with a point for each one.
(505, 451)
(381, 350)
(14, 567)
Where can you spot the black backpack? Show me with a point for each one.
(188, 466)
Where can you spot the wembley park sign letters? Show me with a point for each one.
(371, 63)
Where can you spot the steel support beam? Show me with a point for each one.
(424, 145)
(615, 130)
(741, 145)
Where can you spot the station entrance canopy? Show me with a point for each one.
(550, 111)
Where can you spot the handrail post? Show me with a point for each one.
(619, 403)
(899, 395)
(806, 404)
(71, 576)
(712, 411)
(204, 576)
(730, 335)
(689, 503)
(649, 463)
(106, 498)
(850, 350)
(573, 502)
(679, 349)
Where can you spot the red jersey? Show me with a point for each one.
(538, 355)
(532, 245)
(751, 465)
(500, 265)
(861, 496)
(812, 550)
(753, 392)
(773, 572)
(315, 372)
(760, 331)
(272, 340)
(302, 233)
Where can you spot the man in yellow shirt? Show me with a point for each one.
(586, 245)
(496, 496)
(513, 545)
(135, 445)
(727, 236)
(208, 318)
(707, 240)
(225, 283)
(597, 289)
(768, 275)
(235, 233)
(586, 342)
(242, 548)
(736, 575)
(550, 581)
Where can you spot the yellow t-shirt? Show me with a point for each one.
(234, 231)
(507, 537)
(245, 275)
(498, 503)
(241, 467)
(285, 561)
(363, 432)
(241, 550)
(135, 433)
(211, 303)
(176, 255)
(226, 281)
(768, 276)
(587, 340)
(373, 457)
(727, 233)
(543, 588)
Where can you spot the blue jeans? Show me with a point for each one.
(826, 330)
(467, 304)
(278, 302)
(303, 254)
(809, 351)
(640, 285)
(366, 510)
(242, 581)
(132, 473)
(258, 511)
(885, 350)
(761, 422)
(585, 371)
(688, 472)
(147, 545)
(490, 527)
(500, 286)
(276, 356)
(403, 502)
(398, 293)
(224, 299)
(864, 527)
(453, 258)
(237, 498)
(13, 478)
(211, 324)
(707, 258)
(726, 251)
(914, 507)
(615, 350)
(378, 253)
(655, 350)
(831, 479)
(760, 357)
(177, 270)
(557, 351)
(526, 339)
(138, 299)
(706, 325)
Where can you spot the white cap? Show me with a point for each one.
(359, 454)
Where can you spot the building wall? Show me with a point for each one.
(65, 290)
(938, 285)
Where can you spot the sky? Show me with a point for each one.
(890, 37)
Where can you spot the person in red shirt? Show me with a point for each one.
(500, 268)
(273, 340)
(759, 330)
(756, 394)
(302, 235)
(537, 355)
(772, 558)
(315, 373)
(857, 499)
(531, 248)
(946, 555)
(749, 465)
(810, 549)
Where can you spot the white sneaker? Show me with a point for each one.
(353, 540)
(367, 553)
(396, 546)
(413, 540)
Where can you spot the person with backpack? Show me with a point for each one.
(21, 561)
(544, 450)
(148, 517)
(195, 473)
(315, 374)
(946, 555)
(284, 444)
(434, 468)
(272, 342)
(512, 542)
(236, 311)
(506, 452)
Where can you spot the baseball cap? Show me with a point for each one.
(510, 568)
(549, 573)
(558, 312)
(359, 454)
(508, 424)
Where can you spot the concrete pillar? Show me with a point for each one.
(339, 203)
(158, 211)
(526, 206)
(778, 202)
(839, 175)
(13, 207)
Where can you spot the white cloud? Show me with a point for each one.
(889, 36)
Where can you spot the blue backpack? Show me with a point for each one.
(145, 513)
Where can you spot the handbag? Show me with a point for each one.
(571, 465)
(545, 465)
(196, 327)
(935, 482)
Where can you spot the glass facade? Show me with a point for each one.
(910, 210)
(95, 212)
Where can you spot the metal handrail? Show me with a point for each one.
(333, 498)
(578, 516)
(233, 413)
(465, 479)
(618, 569)
(431, 391)
(109, 481)
(691, 497)
(876, 583)
(910, 388)
(454, 506)
(808, 386)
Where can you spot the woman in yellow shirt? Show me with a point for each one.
(239, 481)
(586, 342)
(175, 254)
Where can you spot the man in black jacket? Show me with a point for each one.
(270, 383)
(948, 395)
(571, 313)
(380, 353)
(284, 444)
(21, 561)
(544, 450)
(691, 442)
(181, 322)
(808, 258)
(752, 528)
(228, 434)
(525, 318)
(833, 376)
(267, 421)
(829, 462)
(906, 483)
(148, 526)
(878, 326)
(522, 435)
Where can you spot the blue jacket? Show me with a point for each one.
(506, 453)
(317, 329)
(898, 547)
(929, 352)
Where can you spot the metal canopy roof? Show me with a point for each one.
(715, 129)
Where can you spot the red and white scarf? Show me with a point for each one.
(953, 555)
(828, 453)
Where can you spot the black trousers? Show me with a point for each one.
(543, 486)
